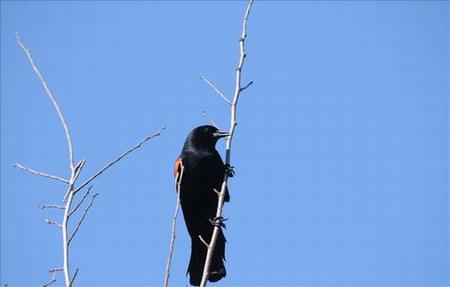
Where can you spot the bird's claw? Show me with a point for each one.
(218, 221)
(229, 170)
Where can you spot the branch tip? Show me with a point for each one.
(246, 86)
(74, 276)
(218, 92)
(210, 119)
(111, 163)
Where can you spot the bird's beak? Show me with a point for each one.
(221, 134)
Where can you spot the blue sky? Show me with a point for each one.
(341, 150)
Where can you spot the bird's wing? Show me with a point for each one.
(177, 169)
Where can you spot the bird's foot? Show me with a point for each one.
(218, 221)
(229, 170)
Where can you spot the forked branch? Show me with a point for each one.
(75, 171)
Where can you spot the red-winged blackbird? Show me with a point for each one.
(203, 172)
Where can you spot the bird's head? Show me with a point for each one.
(205, 137)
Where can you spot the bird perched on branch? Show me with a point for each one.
(203, 174)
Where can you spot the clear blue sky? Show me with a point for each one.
(341, 151)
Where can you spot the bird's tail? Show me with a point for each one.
(198, 256)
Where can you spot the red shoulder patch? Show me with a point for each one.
(177, 168)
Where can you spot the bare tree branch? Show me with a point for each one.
(35, 172)
(53, 280)
(68, 198)
(203, 241)
(118, 159)
(174, 225)
(65, 224)
(43, 206)
(216, 90)
(246, 86)
(211, 121)
(82, 218)
(75, 171)
(49, 221)
(233, 123)
(52, 98)
(74, 276)
(54, 271)
(81, 201)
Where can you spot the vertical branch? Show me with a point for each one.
(65, 242)
(233, 122)
(174, 225)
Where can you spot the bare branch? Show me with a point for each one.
(74, 176)
(54, 271)
(81, 201)
(216, 90)
(53, 280)
(233, 124)
(52, 98)
(35, 172)
(43, 206)
(82, 218)
(246, 86)
(174, 225)
(118, 159)
(65, 224)
(75, 171)
(68, 198)
(74, 276)
(203, 241)
(211, 121)
(49, 221)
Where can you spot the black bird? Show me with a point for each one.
(203, 172)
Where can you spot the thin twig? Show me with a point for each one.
(174, 225)
(54, 271)
(233, 123)
(49, 221)
(216, 90)
(211, 121)
(52, 280)
(246, 86)
(43, 206)
(203, 241)
(82, 218)
(35, 172)
(118, 159)
(81, 201)
(57, 269)
(74, 276)
(52, 98)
